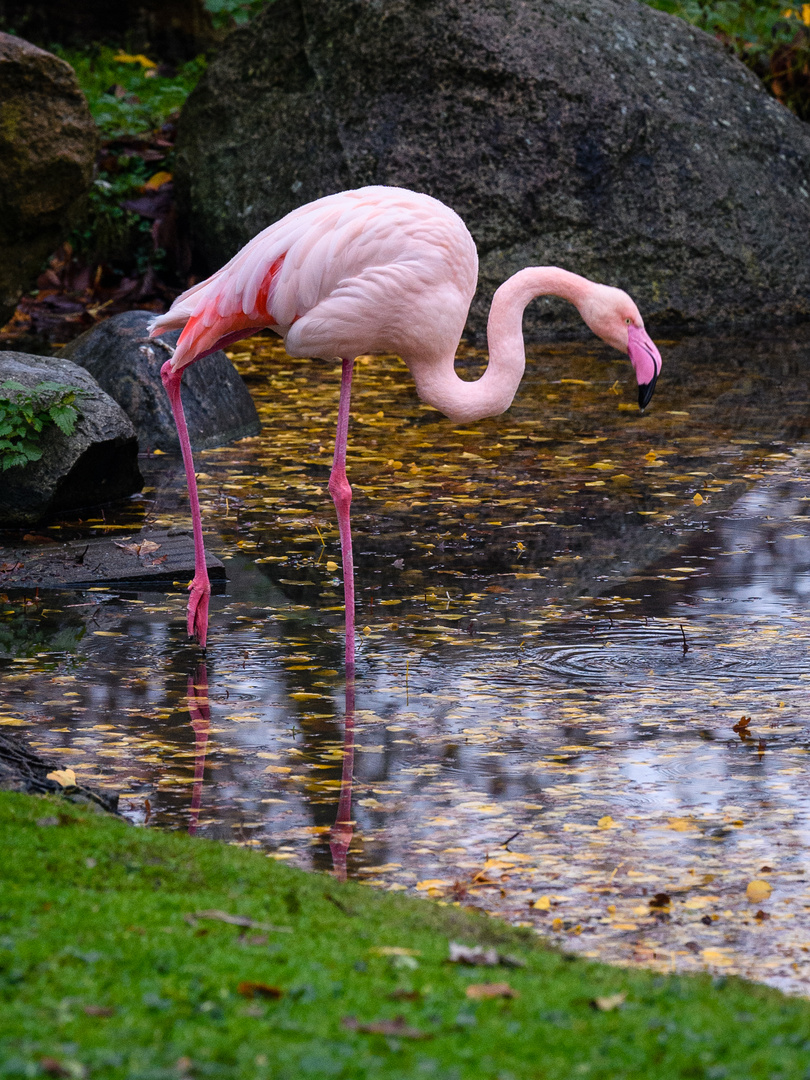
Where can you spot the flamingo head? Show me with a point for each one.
(613, 317)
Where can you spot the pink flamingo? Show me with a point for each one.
(377, 270)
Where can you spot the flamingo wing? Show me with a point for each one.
(348, 269)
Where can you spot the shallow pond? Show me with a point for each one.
(582, 636)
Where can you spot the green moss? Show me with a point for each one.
(93, 917)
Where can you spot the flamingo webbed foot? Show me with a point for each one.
(197, 623)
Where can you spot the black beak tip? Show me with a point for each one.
(645, 392)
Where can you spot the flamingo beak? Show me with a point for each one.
(646, 361)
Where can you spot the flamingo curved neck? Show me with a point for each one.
(465, 402)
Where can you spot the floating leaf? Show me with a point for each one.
(758, 890)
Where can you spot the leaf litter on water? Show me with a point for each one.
(524, 670)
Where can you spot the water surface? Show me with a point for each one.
(563, 614)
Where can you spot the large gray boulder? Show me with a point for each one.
(98, 463)
(599, 135)
(119, 354)
(47, 152)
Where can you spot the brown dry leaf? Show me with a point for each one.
(146, 547)
(397, 1027)
(133, 549)
(54, 1067)
(98, 1010)
(610, 1002)
(237, 920)
(485, 991)
(259, 989)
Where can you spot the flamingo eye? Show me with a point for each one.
(628, 321)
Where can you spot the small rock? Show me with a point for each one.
(119, 354)
(98, 463)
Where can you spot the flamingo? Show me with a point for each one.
(377, 270)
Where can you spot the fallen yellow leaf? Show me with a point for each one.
(758, 890)
(715, 956)
(66, 778)
(393, 950)
(680, 824)
(609, 1003)
(482, 991)
(606, 822)
(542, 904)
(139, 58)
(331, 566)
(155, 182)
(697, 499)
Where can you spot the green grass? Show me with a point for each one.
(92, 916)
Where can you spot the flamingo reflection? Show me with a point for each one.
(199, 713)
(340, 836)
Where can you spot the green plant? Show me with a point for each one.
(107, 229)
(771, 38)
(127, 94)
(227, 13)
(26, 412)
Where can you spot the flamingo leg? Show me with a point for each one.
(341, 494)
(200, 587)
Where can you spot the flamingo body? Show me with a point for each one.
(374, 270)
(378, 270)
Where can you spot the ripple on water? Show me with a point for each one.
(633, 656)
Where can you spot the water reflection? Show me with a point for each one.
(520, 602)
(200, 717)
(341, 833)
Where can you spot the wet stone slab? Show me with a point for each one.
(153, 557)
